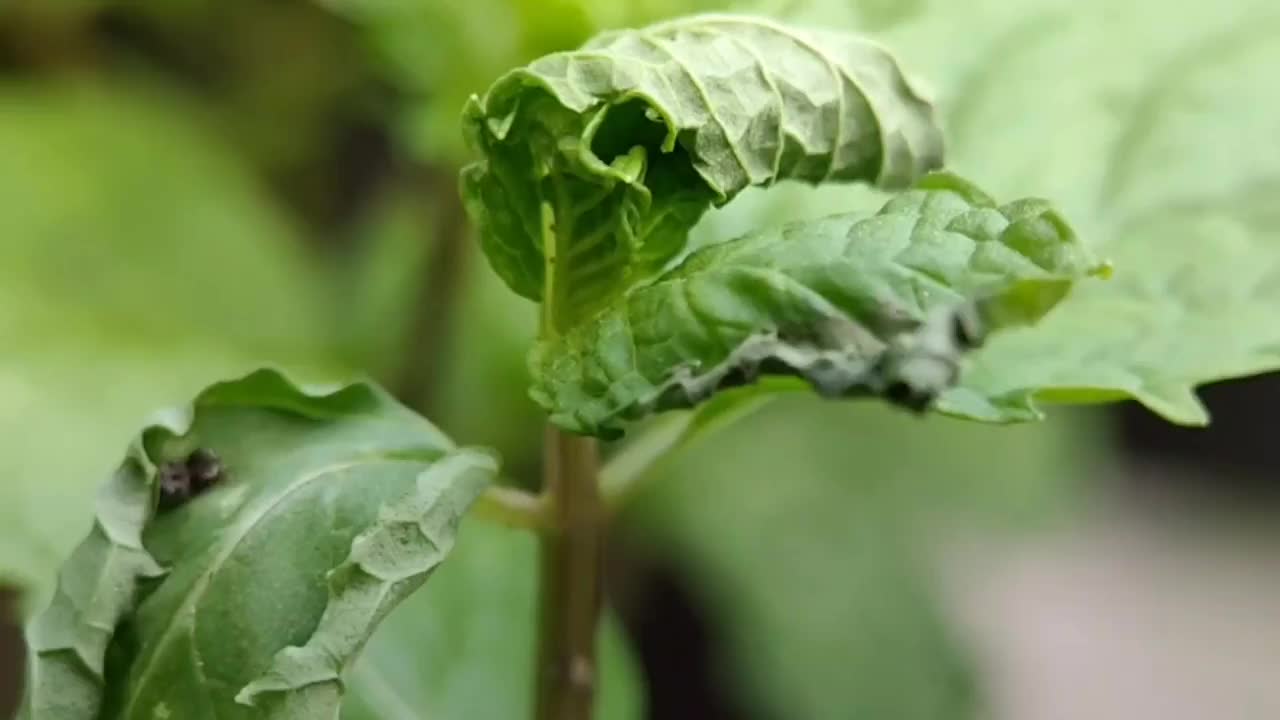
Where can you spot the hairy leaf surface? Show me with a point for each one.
(597, 162)
(856, 305)
(332, 504)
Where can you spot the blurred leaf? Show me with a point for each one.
(488, 359)
(846, 302)
(138, 262)
(845, 505)
(473, 43)
(120, 206)
(596, 163)
(463, 649)
(1149, 137)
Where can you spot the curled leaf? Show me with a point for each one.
(883, 305)
(596, 163)
(291, 482)
(97, 586)
(388, 561)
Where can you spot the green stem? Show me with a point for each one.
(513, 507)
(570, 592)
(664, 438)
(621, 476)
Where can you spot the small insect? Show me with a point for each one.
(181, 480)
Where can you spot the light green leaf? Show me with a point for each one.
(332, 504)
(137, 255)
(473, 43)
(855, 305)
(1155, 135)
(464, 648)
(596, 163)
(852, 507)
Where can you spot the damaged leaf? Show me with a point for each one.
(883, 305)
(596, 163)
(324, 509)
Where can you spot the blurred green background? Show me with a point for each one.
(191, 188)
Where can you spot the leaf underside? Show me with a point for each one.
(596, 163)
(855, 305)
(334, 504)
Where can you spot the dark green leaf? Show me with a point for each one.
(596, 163)
(332, 505)
(855, 305)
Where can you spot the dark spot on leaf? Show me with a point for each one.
(903, 394)
(181, 480)
(205, 468)
(965, 330)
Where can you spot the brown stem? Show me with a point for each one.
(570, 592)
(439, 294)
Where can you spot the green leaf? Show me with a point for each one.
(333, 504)
(474, 43)
(97, 587)
(853, 508)
(1154, 135)
(596, 163)
(464, 648)
(137, 256)
(855, 305)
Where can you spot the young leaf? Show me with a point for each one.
(855, 305)
(596, 163)
(324, 508)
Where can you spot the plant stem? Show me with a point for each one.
(512, 507)
(666, 437)
(570, 592)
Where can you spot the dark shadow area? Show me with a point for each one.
(672, 636)
(11, 651)
(1236, 455)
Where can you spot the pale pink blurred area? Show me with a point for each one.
(1148, 605)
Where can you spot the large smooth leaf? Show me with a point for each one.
(596, 163)
(137, 258)
(331, 505)
(1153, 128)
(463, 648)
(848, 303)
